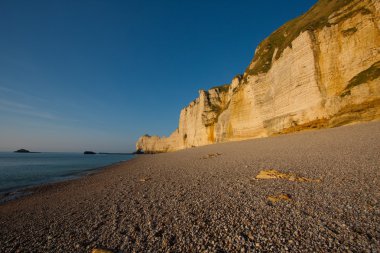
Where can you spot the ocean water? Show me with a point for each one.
(22, 170)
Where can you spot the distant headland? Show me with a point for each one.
(89, 153)
(24, 151)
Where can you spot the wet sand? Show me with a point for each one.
(208, 199)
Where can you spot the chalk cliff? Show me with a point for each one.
(319, 70)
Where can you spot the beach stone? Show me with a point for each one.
(275, 174)
(165, 243)
(101, 251)
(276, 198)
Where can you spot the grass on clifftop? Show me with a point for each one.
(315, 18)
(222, 88)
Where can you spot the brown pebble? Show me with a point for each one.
(275, 198)
(275, 174)
(164, 243)
(101, 251)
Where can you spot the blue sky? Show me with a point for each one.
(78, 75)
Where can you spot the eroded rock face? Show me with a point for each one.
(328, 75)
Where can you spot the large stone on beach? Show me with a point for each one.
(280, 197)
(101, 251)
(274, 174)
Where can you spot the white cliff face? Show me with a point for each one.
(354, 47)
(268, 103)
(328, 76)
(196, 123)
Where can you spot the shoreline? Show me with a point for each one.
(17, 193)
(209, 198)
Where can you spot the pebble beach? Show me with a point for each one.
(312, 191)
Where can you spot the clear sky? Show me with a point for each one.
(81, 75)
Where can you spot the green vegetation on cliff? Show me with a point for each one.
(316, 18)
(222, 88)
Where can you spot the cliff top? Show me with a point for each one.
(316, 18)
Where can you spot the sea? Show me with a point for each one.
(20, 171)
